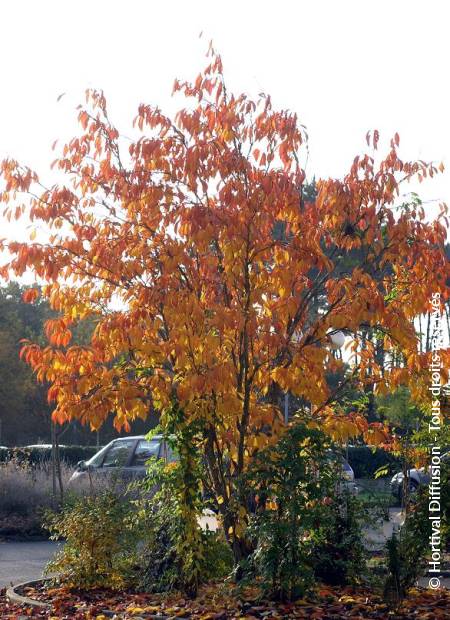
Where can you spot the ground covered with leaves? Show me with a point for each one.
(225, 602)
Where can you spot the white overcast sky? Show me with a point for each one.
(344, 66)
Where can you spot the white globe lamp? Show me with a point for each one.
(336, 339)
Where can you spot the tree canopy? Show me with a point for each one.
(169, 245)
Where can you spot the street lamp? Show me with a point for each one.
(336, 339)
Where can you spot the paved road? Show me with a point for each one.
(23, 561)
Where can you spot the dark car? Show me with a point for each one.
(122, 460)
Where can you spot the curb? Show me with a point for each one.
(13, 597)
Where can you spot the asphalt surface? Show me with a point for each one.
(24, 561)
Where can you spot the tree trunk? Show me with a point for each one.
(56, 468)
(53, 434)
(239, 545)
(225, 485)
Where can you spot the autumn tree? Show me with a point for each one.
(168, 244)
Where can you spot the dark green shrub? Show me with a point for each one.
(290, 482)
(73, 454)
(218, 560)
(366, 461)
(339, 555)
(407, 552)
(160, 565)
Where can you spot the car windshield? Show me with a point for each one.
(118, 453)
(96, 460)
(145, 450)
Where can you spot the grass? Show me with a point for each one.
(25, 492)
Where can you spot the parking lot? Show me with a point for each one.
(24, 561)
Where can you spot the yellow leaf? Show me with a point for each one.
(136, 610)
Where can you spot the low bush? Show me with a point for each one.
(161, 565)
(100, 541)
(407, 552)
(131, 539)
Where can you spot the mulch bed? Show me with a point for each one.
(217, 602)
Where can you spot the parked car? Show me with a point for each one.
(122, 460)
(416, 478)
(347, 474)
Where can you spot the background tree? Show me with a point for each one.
(25, 414)
(169, 249)
(400, 411)
(23, 404)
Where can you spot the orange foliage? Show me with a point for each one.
(170, 250)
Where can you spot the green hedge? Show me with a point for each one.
(70, 454)
(365, 461)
